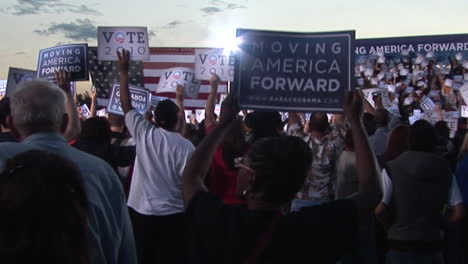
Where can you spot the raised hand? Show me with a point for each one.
(229, 109)
(353, 106)
(214, 81)
(63, 80)
(124, 60)
(180, 91)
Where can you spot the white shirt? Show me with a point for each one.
(454, 199)
(156, 187)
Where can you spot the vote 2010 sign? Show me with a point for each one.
(16, 77)
(179, 75)
(293, 71)
(71, 58)
(113, 39)
(214, 61)
(140, 100)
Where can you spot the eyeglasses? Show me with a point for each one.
(239, 164)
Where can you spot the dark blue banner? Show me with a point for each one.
(71, 58)
(293, 71)
(140, 99)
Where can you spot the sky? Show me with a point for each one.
(30, 25)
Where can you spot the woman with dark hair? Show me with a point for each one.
(95, 139)
(43, 211)
(269, 176)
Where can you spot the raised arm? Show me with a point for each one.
(180, 127)
(125, 98)
(367, 169)
(198, 166)
(211, 102)
(73, 128)
(93, 109)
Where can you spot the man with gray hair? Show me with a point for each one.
(39, 116)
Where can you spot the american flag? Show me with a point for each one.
(164, 58)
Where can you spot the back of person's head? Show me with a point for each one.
(116, 120)
(4, 111)
(381, 117)
(265, 124)
(38, 106)
(397, 143)
(97, 130)
(43, 210)
(442, 130)
(422, 136)
(369, 123)
(166, 113)
(281, 165)
(319, 122)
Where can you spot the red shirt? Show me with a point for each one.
(222, 178)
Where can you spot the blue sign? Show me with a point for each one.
(141, 100)
(71, 58)
(287, 71)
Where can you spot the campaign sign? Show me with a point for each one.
(140, 100)
(464, 111)
(71, 58)
(156, 99)
(214, 61)
(293, 71)
(16, 77)
(113, 39)
(3, 84)
(179, 75)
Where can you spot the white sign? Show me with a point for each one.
(209, 61)
(452, 123)
(188, 116)
(179, 75)
(200, 115)
(102, 112)
(113, 39)
(427, 104)
(464, 92)
(3, 84)
(370, 93)
(16, 77)
(84, 110)
(464, 111)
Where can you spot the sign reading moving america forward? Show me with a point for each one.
(71, 58)
(113, 39)
(293, 71)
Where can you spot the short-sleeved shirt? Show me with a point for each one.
(156, 187)
(223, 233)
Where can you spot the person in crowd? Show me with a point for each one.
(417, 184)
(270, 175)
(223, 173)
(345, 169)
(155, 199)
(444, 146)
(461, 174)
(5, 131)
(397, 143)
(43, 210)
(369, 123)
(326, 143)
(39, 116)
(95, 139)
(263, 124)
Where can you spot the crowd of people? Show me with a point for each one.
(360, 187)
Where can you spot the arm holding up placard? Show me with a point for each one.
(125, 98)
(180, 127)
(211, 102)
(73, 128)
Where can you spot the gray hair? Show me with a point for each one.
(38, 106)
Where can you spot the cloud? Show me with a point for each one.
(211, 10)
(235, 6)
(20, 53)
(81, 29)
(152, 33)
(173, 24)
(37, 7)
